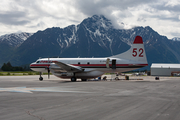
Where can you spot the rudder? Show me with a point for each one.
(135, 53)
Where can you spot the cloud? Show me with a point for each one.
(135, 13)
(34, 15)
(13, 18)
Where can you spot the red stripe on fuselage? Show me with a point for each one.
(91, 65)
(101, 65)
(39, 65)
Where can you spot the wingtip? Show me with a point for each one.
(138, 40)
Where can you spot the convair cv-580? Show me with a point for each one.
(85, 68)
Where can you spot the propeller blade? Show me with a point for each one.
(48, 73)
(48, 69)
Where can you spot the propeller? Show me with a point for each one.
(48, 72)
(48, 69)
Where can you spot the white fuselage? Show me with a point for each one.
(92, 67)
(85, 68)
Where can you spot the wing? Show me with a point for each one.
(68, 67)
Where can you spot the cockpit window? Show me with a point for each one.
(38, 62)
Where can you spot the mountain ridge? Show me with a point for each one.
(14, 39)
(94, 37)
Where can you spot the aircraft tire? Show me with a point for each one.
(73, 79)
(41, 78)
(83, 79)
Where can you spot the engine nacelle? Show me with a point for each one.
(69, 74)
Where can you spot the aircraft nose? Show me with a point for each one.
(31, 64)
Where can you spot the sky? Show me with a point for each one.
(32, 15)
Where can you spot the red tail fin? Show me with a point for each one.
(136, 53)
(138, 40)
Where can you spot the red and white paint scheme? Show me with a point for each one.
(85, 68)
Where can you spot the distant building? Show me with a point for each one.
(158, 69)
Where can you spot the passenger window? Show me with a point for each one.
(79, 63)
(88, 63)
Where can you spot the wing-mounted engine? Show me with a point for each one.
(63, 70)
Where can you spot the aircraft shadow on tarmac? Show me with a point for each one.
(66, 81)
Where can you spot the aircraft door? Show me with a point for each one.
(114, 64)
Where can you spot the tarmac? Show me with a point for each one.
(140, 98)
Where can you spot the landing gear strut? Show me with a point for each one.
(40, 78)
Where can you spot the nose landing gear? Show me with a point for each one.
(41, 78)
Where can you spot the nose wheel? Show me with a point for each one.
(40, 78)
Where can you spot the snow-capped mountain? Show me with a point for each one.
(93, 37)
(14, 39)
(176, 39)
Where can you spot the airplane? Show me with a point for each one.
(86, 68)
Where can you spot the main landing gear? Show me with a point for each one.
(73, 79)
(83, 79)
(41, 78)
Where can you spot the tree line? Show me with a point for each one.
(9, 67)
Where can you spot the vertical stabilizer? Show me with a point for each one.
(135, 53)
